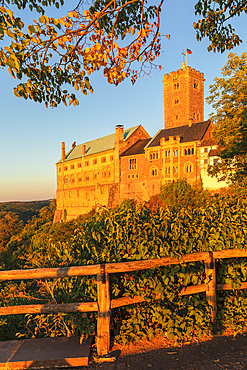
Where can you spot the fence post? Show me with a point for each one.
(104, 313)
(211, 283)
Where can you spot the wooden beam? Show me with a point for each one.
(49, 273)
(211, 284)
(49, 308)
(157, 262)
(104, 313)
(125, 301)
(228, 287)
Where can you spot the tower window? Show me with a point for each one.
(168, 170)
(175, 153)
(176, 101)
(198, 116)
(196, 85)
(176, 86)
(176, 117)
(168, 153)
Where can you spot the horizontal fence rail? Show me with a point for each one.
(104, 304)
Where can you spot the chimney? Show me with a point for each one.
(190, 122)
(63, 151)
(83, 149)
(119, 138)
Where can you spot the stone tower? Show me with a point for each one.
(183, 97)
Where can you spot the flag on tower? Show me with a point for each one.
(168, 36)
(188, 51)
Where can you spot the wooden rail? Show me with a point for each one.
(104, 304)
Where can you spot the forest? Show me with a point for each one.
(181, 219)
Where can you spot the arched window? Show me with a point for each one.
(153, 171)
(176, 101)
(198, 116)
(192, 150)
(168, 170)
(185, 151)
(189, 151)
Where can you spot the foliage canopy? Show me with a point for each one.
(228, 97)
(51, 53)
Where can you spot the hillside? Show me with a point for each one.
(24, 210)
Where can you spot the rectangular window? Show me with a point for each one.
(65, 168)
(205, 161)
(87, 163)
(216, 161)
(175, 153)
(95, 161)
(168, 153)
(103, 159)
(72, 167)
(205, 150)
(66, 180)
(111, 158)
(132, 164)
(78, 165)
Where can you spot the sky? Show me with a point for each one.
(31, 135)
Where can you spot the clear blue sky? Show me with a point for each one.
(31, 135)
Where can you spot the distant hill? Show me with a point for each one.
(25, 210)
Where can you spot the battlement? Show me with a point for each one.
(179, 72)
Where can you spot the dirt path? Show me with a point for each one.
(222, 352)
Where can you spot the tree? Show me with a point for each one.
(215, 22)
(110, 35)
(229, 99)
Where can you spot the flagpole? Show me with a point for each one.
(186, 57)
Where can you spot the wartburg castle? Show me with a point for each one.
(131, 164)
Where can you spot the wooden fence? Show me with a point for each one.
(104, 304)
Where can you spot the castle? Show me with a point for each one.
(130, 164)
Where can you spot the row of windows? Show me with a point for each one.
(95, 161)
(174, 153)
(153, 156)
(133, 176)
(189, 151)
(87, 176)
(176, 84)
(174, 170)
(205, 161)
(176, 117)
